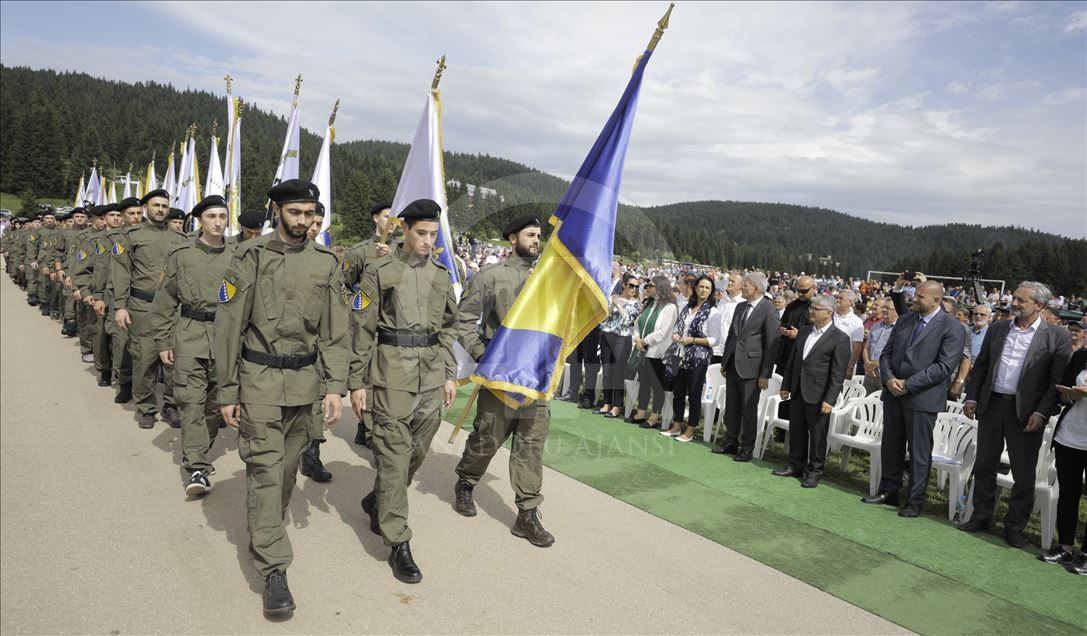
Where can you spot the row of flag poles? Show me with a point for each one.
(563, 299)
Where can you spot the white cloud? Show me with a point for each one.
(1066, 96)
(1076, 22)
(958, 87)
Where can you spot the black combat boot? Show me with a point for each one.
(404, 568)
(362, 438)
(277, 596)
(32, 300)
(124, 393)
(69, 328)
(369, 506)
(105, 378)
(462, 501)
(528, 526)
(44, 308)
(311, 463)
(170, 414)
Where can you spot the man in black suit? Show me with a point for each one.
(814, 374)
(796, 315)
(1013, 392)
(916, 367)
(748, 361)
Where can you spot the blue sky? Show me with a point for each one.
(913, 113)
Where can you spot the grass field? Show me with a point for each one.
(13, 202)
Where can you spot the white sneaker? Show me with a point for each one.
(198, 484)
(88, 357)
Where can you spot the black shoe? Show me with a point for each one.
(70, 329)
(910, 510)
(32, 300)
(1079, 566)
(975, 524)
(742, 455)
(311, 463)
(882, 498)
(810, 482)
(462, 494)
(528, 526)
(361, 437)
(585, 403)
(403, 565)
(369, 506)
(147, 421)
(631, 420)
(648, 424)
(198, 484)
(1057, 555)
(124, 394)
(1014, 538)
(277, 596)
(724, 449)
(54, 314)
(105, 378)
(44, 307)
(170, 414)
(787, 472)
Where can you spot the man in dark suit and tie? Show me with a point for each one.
(1013, 392)
(748, 361)
(814, 376)
(916, 368)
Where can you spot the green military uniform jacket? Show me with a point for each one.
(489, 298)
(101, 280)
(355, 260)
(137, 262)
(50, 247)
(281, 299)
(93, 245)
(405, 294)
(194, 273)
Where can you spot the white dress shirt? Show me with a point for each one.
(1073, 430)
(1006, 377)
(726, 309)
(813, 337)
(851, 325)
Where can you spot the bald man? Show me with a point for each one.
(794, 317)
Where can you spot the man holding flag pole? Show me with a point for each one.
(522, 345)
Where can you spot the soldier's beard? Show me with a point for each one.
(526, 251)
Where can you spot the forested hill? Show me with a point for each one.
(52, 125)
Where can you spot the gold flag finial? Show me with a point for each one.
(661, 26)
(297, 84)
(438, 74)
(130, 167)
(214, 127)
(229, 82)
(332, 117)
(239, 107)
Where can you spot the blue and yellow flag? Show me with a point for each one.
(567, 293)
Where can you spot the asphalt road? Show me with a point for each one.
(97, 536)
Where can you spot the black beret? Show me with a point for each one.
(49, 212)
(320, 209)
(293, 190)
(421, 210)
(99, 210)
(520, 223)
(252, 219)
(133, 202)
(207, 203)
(151, 195)
(78, 211)
(175, 214)
(377, 209)
(63, 216)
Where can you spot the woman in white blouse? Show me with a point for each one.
(697, 330)
(652, 335)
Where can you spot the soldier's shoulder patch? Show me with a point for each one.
(227, 291)
(345, 265)
(360, 301)
(99, 249)
(118, 249)
(82, 255)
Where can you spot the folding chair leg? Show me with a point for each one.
(875, 475)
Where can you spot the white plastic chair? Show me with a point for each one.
(710, 429)
(866, 414)
(770, 422)
(630, 396)
(954, 448)
(773, 389)
(715, 379)
(856, 379)
(953, 407)
(565, 378)
(850, 391)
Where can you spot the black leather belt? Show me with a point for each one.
(407, 338)
(141, 294)
(197, 314)
(1004, 396)
(279, 362)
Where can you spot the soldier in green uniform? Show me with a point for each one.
(182, 320)
(38, 252)
(491, 293)
(175, 219)
(355, 260)
(281, 308)
(81, 272)
(136, 268)
(311, 465)
(404, 327)
(29, 266)
(73, 236)
(250, 224)
(113, 341)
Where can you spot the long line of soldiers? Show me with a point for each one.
(267, 334)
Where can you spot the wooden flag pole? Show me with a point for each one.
(464, 413)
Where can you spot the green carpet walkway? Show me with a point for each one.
(921, 573)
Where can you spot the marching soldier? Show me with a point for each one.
(406, 304)
(490, 296)
(72, 237)
(120, 216)
(139, 255)
(82, 271)
(29, 266)
(181, 322)
(355, 260)
(281, 309)
(175, 219)
(311, 465)
(250, 224)
(37, 251)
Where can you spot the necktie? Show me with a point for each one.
(744, 309)
(917, 330)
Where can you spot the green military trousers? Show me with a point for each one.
(195, 389)
(87, 325)
(116, 341)
(146, 366)
(494, 424)
(270, 443)
(32, 276)
(404, 425)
